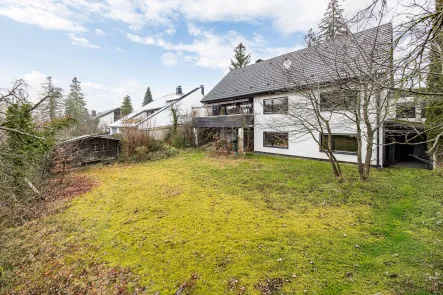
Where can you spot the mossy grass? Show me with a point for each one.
(236, 225)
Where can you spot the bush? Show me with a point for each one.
(137, 146)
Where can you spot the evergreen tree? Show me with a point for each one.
(333, 24)
(434, 109)
(241, 59)
(148, 97)
(310, 38)
(126, 107)
(53, 106)
(75, 105)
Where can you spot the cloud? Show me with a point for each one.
(46, 14)
(170, 31)
(100, 32)
(118, 49)
(171, 58)
(211, 50)
(285, 16)
(82, 42)
(35, 80)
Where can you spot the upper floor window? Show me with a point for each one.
(338, 100)
(405, 110)
(275, 105)
(232, 109)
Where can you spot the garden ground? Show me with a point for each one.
(256, 225)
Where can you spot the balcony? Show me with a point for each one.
(230, 117)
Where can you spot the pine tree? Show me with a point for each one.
(241, 59)
(434, 109)
(75, 105)
(53, 106)
(310, 38)
(333, 24)
(148, 97)
(126, 107)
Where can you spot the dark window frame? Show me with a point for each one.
(344, 107)
(402, 109)
(333, 143)
(274, 146)
(273, 111)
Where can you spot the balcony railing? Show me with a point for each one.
(208, 111)
(204, 117)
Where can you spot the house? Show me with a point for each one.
(107, 117)
(240, 107)
(87, 149)
(156, 117)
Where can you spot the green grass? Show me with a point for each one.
(234, 224)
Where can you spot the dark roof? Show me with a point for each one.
(90, 136)
(306, 66)
(104, 113)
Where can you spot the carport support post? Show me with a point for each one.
(240, 140)
(195, 131)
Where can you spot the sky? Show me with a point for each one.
(121, 47)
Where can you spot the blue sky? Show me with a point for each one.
(120, 47)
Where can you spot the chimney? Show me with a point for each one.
(178, 90)
(93, 113)
(258, 60)
(202, 88)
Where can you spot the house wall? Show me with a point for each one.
(105, 121)
(163, 118)
(302, 144)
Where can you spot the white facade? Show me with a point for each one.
(156, 117)
(105, 120)
(302, 144)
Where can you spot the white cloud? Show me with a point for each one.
(71, 15)
(118, 49)
(82, 42)
(171, 58)
(100, 97)
(170, 31)
(35, 80)
(100, 32)
(209, 49)
(43, 13)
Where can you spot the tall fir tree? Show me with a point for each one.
(434, 109)
(75, 105)
(241, 59)
(53, 106)
(333, 24)
(310, 38)
(148, 97)
(126, 107)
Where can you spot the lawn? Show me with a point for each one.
(258, 225)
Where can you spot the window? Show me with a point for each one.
(275, 139)
(339, 100)
(346, 143)
(231, 109)
(275, 105)
(95, 148)
(246, 108)
(103, 147)
(405, 110)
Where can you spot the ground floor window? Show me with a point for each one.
(275, 139)
(341, 142)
